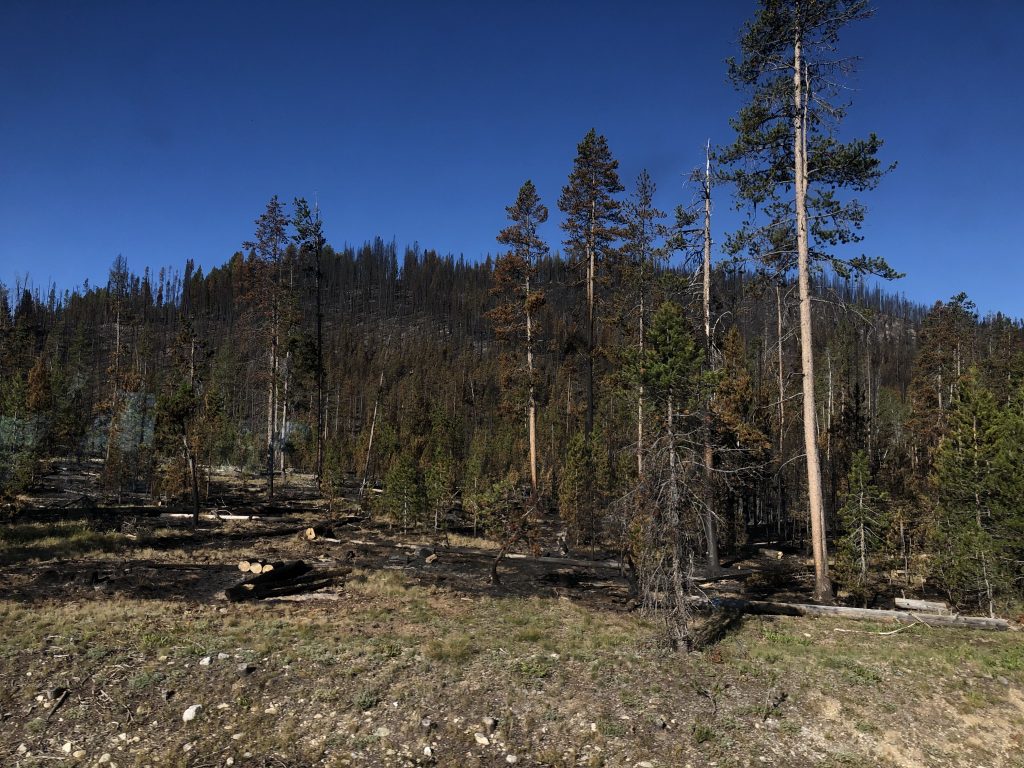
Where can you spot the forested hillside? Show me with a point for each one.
(923, 406)
(670, 391)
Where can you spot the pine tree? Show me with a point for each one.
(643, 230)
(667, 506)
(865, 524)
(404, 499)
(789, 168)
(309, 235)
(593, 224)
(515, 283)
(269, 249)
(969, 546)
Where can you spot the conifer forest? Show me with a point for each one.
(681, 427)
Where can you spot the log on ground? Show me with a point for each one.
(286, 579)
(770, 608)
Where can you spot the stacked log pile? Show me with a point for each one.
(283, 579)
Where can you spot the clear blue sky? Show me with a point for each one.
(159, 130)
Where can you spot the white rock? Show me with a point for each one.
(206, 661)
(382, 732)
(66, 749)
(22, 749)
(222, 656)
(428, 752)
(270, 711)
(104, 758)
(511, 759)
(223, 705)
(78, 754)
(190, 714)
(229, 761)
(482, 740)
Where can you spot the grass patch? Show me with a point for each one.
(62, 540)
(455, 649)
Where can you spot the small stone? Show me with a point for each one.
(190, 714)
(382, 732)
(270, 711)
(104, 758)
(22, 749)
(122, 737)
(187, 747)
(489, 724)
(78, 754)
(481, 739)
(236, 736)
(223, 705)
(224, 657)
(511, 759)
(229, 761)
(246, 668)
(66, 749)
(428, 752)
(206, 661)
(431, 559)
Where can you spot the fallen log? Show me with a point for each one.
(215, 516)
(926, 606)
(774, 554)
(770, 608)
(321, 533)
(250, 589)
(297, 578)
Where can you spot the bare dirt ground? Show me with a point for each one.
(114, 626)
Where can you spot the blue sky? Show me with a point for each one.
(159, 130)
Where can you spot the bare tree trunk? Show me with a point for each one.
(640, 397)
(819, 546)
(709, 514)
(272, 411)
(194, 478)
(532, 409)
(283, 430)
(320, 426)
(373, 427)
(782, 381)
(591, 278)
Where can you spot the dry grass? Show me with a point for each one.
(348, 682)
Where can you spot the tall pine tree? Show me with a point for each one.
(791, 171)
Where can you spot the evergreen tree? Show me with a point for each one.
(971, 549)
(789, 169)
(865, 523)
(268, 248)
(666, 509)
(515, 283)
(593, 224)
(643, 230)
(404, 500)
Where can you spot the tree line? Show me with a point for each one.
(662, 399)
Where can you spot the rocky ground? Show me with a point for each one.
(117, 648)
